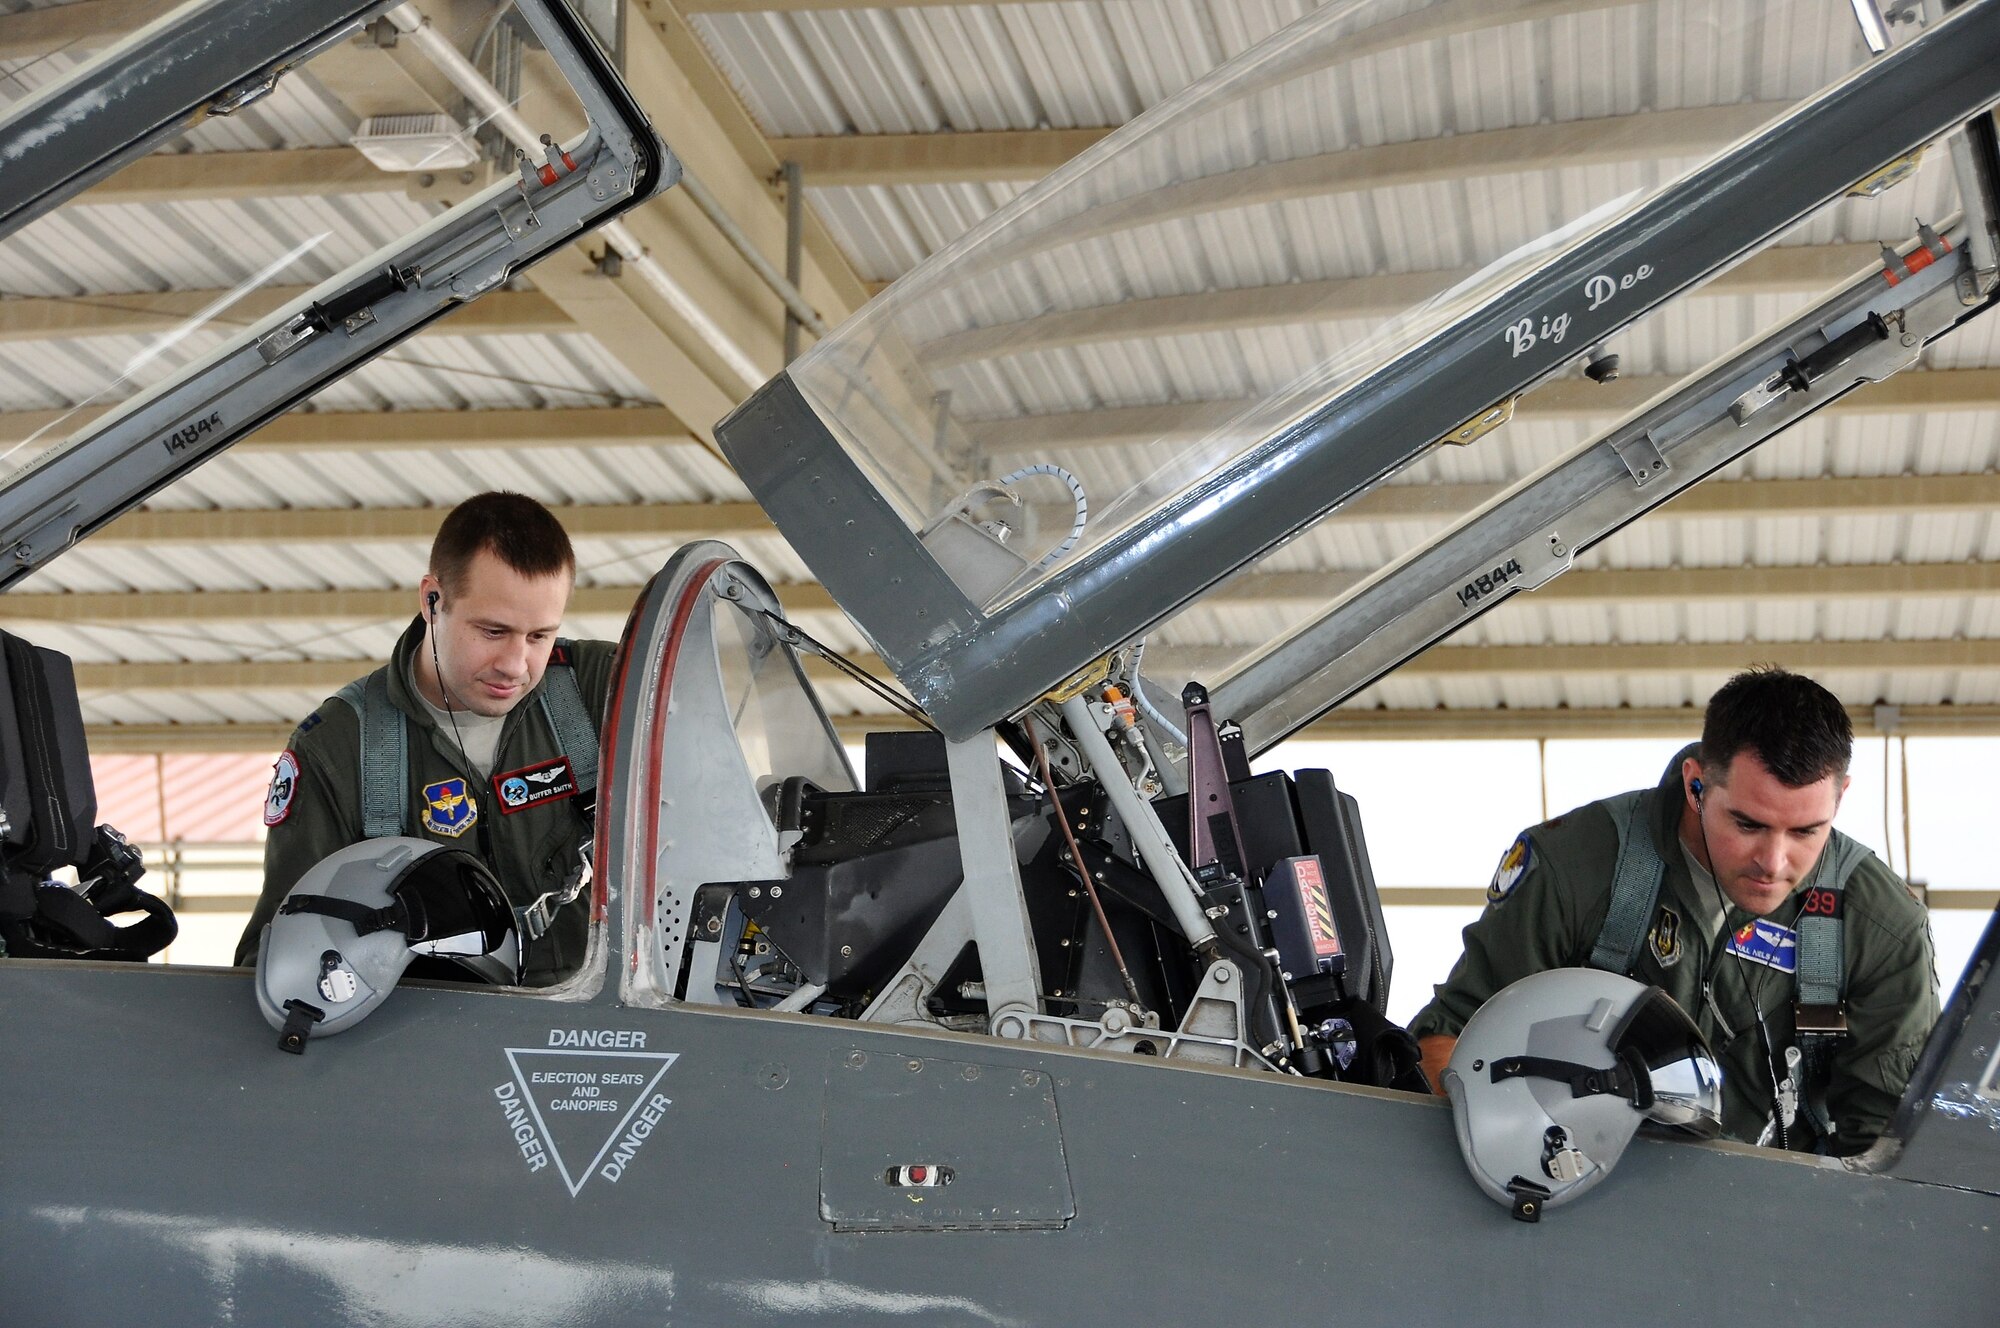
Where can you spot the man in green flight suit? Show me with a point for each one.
(1805, 961)
(493, 723)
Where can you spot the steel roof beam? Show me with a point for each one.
(1620, 586)
(712, 133)
(1719, 657)
(359, 525)
(344, 607)
(200, 177)
(415, 430)
(1571, 399)
(1429, 725)
(1619, 722)
(1029, 154)
(1868, 496)
(1444, 662)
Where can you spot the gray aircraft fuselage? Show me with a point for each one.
(164, 1163)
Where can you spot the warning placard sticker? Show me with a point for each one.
(590, 1112)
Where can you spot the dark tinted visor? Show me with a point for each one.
(455, 905)
(1686, 1081)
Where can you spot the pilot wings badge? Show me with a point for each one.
(448, 809)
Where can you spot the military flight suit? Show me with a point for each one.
(1548, 903)
(532, 848)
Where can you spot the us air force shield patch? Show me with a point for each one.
(1513, 866)
(1665, 938)
(448, 809)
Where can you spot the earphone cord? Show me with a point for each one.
(449, 711)
(1756, 986)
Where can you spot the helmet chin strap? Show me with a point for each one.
(1628, 1079)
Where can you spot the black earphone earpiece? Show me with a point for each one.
(431, 603)
(1694, 785)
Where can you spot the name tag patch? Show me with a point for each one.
(1766, 943)
(533, 785)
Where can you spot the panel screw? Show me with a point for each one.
(1030, 1078)
(856, 1059)
(914, 1066)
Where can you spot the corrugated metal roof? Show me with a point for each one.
(111, 248)
(964, 68)
(981, 67)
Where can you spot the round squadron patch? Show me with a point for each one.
(1665, 938)
(284, 787)
(1513, 866)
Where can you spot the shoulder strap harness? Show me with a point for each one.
(569, 719)
(385, 741)
(1820, 984)
(1635, 884)
(385, 755)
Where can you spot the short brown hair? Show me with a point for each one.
(519, 531)
(1797, 728)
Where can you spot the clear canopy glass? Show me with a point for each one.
(131, 285)
(1223, 268)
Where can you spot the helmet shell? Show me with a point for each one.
(448, 898)
(1534, 1127)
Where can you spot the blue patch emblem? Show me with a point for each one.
(1766, 943)
(448, 809)
(1513, 866)
(514, 791)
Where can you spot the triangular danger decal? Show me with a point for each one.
(589, 1112)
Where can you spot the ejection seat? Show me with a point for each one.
(753, 871)
(48, 806)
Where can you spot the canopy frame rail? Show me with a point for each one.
(1868, 330)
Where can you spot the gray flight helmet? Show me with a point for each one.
(1553, 1076)
(344, 934)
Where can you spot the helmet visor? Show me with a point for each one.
(455, 906)
(1686, 1081)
